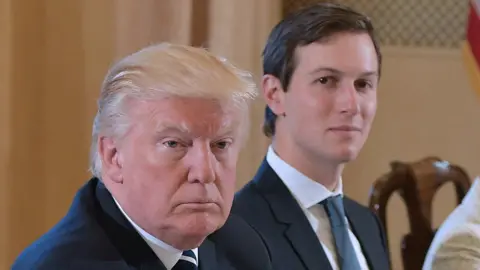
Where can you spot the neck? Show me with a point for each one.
(319, 169)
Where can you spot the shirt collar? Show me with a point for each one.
(166, 253)
(305, 190)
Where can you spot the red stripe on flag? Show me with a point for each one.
(471, 67)
(473, 31)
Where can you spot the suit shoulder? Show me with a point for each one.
(250, 189)
(247, 199)
(356, 206)
(250, 204)
(66, 242)
(359, 209)
(50, 250)
(42, 257)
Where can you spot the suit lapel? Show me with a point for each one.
(306, 244)
(131, 246)
(207, 256)
(366, 233)
(288, 213)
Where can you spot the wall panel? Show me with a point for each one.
(5, 71)
(26, 213)
(238, 31)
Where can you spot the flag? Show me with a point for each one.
(471, 46)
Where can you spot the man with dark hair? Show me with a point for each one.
(321, 71)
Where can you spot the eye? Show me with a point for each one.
(363, 84)
(222, 145)
(326, 80)
(171, 144)
(323, 80)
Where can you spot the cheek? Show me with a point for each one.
(227, 174)
(149, 173)
(154, 189)
(312, 103)
(309, 115)
(142, 165)
(369, 111)
(226, 182)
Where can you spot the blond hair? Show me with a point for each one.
(166, 70)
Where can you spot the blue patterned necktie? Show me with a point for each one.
(188, 261)
(346, 256)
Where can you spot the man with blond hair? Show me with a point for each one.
(166, 139)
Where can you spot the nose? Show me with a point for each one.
(348, 100)
(202, 164)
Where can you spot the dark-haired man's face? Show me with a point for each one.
(331, 102)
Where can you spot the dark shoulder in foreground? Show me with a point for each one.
(71, 243)
(60, 248)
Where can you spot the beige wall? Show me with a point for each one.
(5, 49)
(238, 30)
(426, 107)
(23, 181)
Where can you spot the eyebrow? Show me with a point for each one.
(225, 130)
(172, 127)
(336, 71)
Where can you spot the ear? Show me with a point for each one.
(111, 160)
(273, 94)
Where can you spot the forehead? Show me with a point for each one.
(346, 52)
(193, 114)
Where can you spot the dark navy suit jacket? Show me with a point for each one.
(268, 206)
(94, 235)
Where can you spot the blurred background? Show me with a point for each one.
(54, 54)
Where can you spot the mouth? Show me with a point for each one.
(199, 204)
(196, 207)
(345, 128)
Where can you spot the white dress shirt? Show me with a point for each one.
(456, 244)
(167, 254)
(308, 194)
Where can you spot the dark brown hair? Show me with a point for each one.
(315, 23)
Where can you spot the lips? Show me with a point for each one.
(199, 206)
(346, 128)
(199, 201)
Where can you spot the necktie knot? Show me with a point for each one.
(335, 211)
(187, 261)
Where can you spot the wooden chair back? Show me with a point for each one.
(416, 183)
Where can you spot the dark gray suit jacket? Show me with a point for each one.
(268, 206)
(95, 235)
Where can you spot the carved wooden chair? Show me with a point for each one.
(416, 183)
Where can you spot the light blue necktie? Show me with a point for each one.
(347, 259)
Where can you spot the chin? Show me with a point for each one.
(202, 224)
(347, 155)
